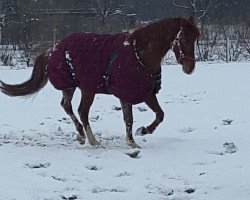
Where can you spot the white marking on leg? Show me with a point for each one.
(131, 143)
(91, 137)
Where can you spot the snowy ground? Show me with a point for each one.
(200, 151)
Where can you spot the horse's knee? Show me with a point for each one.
(67, 106)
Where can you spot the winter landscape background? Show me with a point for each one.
(199, 152)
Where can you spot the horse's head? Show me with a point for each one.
(184, 45)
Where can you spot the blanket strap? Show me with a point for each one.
(156, 79)
(71, 69)
(107, 71)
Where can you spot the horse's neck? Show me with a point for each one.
(153, 48)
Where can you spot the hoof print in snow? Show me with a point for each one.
(142, 109)
(219, 153)
(38, 165)
(125, 174)
(196, 100)
(69, 198)
(187, 130)
(96, 118)
(189, 190)
(101, 190)
(93, 168)
(58, 178)
(65, 120)
(116, 108)
(230, 147)
(162, 190)
(133, 154)
(227, 122)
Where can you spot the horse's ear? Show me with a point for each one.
(191, 19)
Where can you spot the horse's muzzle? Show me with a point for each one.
(188, 67)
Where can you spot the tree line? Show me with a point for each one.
(23, 21)
(31, 23)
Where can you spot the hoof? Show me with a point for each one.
(81, 139)
(134, 154)
(142, 131)
(95, 143)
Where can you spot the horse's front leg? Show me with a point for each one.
(128, 119)
(153, 104)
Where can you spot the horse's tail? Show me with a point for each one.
(34, 84)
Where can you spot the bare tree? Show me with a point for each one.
(6, 7)
(104, 10)
(203, 10)
(200, 8)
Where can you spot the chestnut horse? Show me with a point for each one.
(149, 45)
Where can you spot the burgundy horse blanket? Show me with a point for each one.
(100, 64)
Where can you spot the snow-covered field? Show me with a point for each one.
(200, 151)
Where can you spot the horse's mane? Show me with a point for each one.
(160, 28)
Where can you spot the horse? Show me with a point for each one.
(126, 65)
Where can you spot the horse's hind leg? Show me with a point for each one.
(67, 106)
(83, 110)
